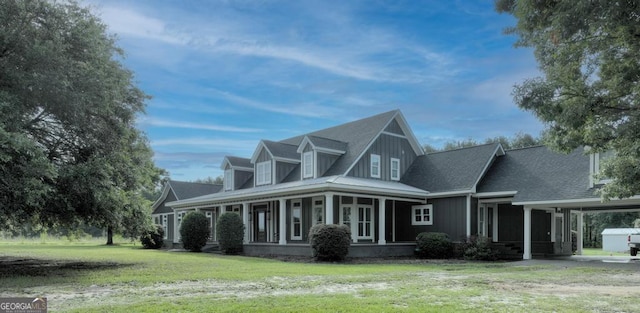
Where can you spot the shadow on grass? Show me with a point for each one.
(11, 267)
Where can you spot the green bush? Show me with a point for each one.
(230, 232)
(194, 231)
(478, 249)
(432, 245)
(153, 238)
(330, 242)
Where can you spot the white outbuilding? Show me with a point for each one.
(615, 239)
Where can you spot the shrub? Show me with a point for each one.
(478, 248)
(194, 231)
(230, 232)
(153, 238)
(433, 245)
(330, 242)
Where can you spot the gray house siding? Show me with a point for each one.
(283, 169)
(511, 219)
(263, 156)
(387, 147)
(394, 127)
(162, 208)
(449, 216)
(324, 162)
(240, 178)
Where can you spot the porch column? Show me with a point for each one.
(527, 234)
(382, 208)
(553, 226)
(245, 220)
(282, 210)
(495, 223)
(469, 216)
(328, 208)
(580, 233)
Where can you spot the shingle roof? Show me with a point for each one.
(282, 150)
(239, 162)
(328, 143)
(449, 171)
(357, 135)
(186, 190)
(539, 174)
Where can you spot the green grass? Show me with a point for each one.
(126, 278)
(600, 252)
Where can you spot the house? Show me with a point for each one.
(173, 190)
(373, 175)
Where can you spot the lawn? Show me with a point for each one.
(90, 277)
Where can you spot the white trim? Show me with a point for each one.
(422, 207)
(497, 152)
(495, 194)
(382, 210)
(256, 153)
(295, 207)
(308, 141)
(262, 167)
(526, 255)
(393, 134)
(282, 219)
(321, 213)
(392, 177)
(375, 158)
(329, 151)
(372, 218)
(495, 200)
(450, 193)
(328, 207)
(580, 202)
(287, 160)
(228, 182)
(308, 163)
(468, 215)
(165, 192)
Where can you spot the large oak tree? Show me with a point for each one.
(69, 149)
(589, 53)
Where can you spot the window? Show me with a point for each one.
(307, 164)
(263, 177)
(597, 161)
(165, 225)
(365, 222)
(318, 211)
(375, 166)
(296, 220)
(395, 169)
(422, 214)
(228, 179)
(234, 209)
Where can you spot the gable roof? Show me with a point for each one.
(280, 151)
(539, 174)
(358, 136)
(185, 190)
(323, 144)
(237, 163)
(452, 171)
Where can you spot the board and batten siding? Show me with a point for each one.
(449, 216)
(283, 169)
(387, 146)
(240, 178)
(263, 156)
(511, 223)
(394, 128)
(324, 162)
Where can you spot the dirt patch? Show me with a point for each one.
(17, 267)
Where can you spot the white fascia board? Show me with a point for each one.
(225, 161)
(287, 160)
(584, 202)
(450, 193)
(496, 194)
(304, 142)
(330, 151)
(163, 196)
(326, 184)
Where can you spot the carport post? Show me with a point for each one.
(579, 234)
(527, 234)
(282, 210)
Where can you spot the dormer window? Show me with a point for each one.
(395, 169)
(375, 166)
(263, 173)
(307, 164)
(597, 159)
(228, 179)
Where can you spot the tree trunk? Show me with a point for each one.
(109, 236)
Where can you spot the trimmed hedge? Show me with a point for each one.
(153, 238)
(478, 248)
(432, 245)
(330, 242)
(230, 233)
(194, 231)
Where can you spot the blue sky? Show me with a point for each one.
(225, 74)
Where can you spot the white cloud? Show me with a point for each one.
(157, 122)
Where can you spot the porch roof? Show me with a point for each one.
(323, 184)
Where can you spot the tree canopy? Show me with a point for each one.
(520, 140)
(589, 95)
(69, 148)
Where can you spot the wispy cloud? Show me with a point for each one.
(158, 122)
(207, 143)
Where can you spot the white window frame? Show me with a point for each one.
(363, 223)
(422, 215)
(318, 210)
(307, 164)
(394, 167)
(228, 179)
(263, 173)
(374, 169)
(296, 205)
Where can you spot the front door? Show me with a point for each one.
(260, 224)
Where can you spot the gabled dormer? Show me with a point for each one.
(237, 172)
(273, 161)
(318, 154)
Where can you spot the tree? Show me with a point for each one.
(210, 180)
(589, 95)
(69, 149)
